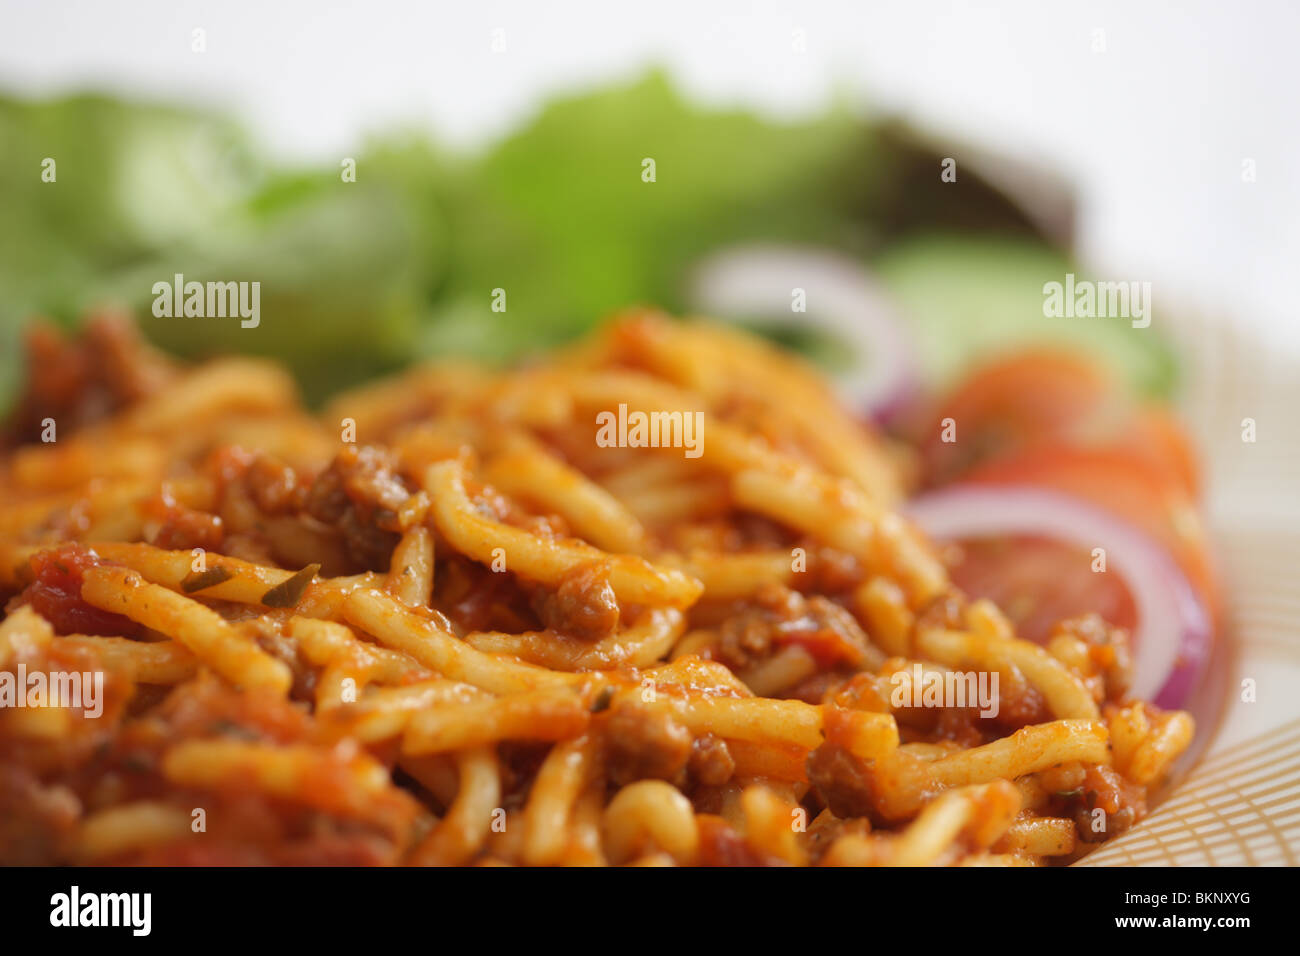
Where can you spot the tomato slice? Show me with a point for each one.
(1038, 582)
(1157, 436)
(1042, 398)
(1127, 486)
(1008, 404)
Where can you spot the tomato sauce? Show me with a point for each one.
(55, 594)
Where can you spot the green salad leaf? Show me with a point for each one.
(972, 296)
(357, 278)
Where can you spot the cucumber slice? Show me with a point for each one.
(969, 297)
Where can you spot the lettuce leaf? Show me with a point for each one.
(361, 277)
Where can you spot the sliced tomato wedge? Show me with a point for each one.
(1009, 404)
(1129, 487)
(1038, 582)
(1047, 399)
(1158, 437)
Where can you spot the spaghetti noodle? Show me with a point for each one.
(441, 623)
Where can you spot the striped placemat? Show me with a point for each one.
(1239, 803)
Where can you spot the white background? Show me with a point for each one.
(1154, 130)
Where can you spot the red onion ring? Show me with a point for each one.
(758, 280)
(1172, 642)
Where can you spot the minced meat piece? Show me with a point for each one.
(583, 606)
(778, 617)
(711, 762)
(841, 780)
(79, 381)
(361, 494)
(645, 743)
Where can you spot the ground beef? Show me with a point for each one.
(1020, 704)
(274, 486)
(861, 692)
(841, 780)
(583, 606)
(207, 707)
(179, 528)
(833, 571)
(722, 845)
(778, 617)
(1108, 647)
(79, 381)
(826, 828)
(361, 494)
(947, 612)
(355, 509)
(711, 762)
(38, 824)
(960, 725)
(186, 529)
(645, 743)
(476, 598)
(1123, 804)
